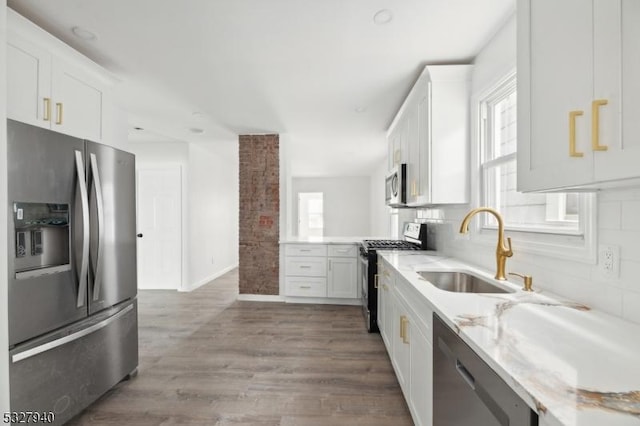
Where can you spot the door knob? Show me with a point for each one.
(139, 235)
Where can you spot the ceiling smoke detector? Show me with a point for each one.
(382, 17)
(83, 34)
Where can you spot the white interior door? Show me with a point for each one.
(160, 224)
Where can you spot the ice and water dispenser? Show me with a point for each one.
(41, 238)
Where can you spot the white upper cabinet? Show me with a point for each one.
(578, 91)
(46, 88)
(77, 102)
(28, 82)
(430, 133)
(621, 161)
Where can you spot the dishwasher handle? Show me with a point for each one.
(464, 373)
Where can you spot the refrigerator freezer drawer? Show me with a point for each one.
(65, 375)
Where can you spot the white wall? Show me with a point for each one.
(210, 207)
(618, 211)
(213, 210)
(4, 321)
(380, 224)
(154, 153)
(346, 203)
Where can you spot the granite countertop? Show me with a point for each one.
(326, 240)
(573, 365)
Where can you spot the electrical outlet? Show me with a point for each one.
(609, 261)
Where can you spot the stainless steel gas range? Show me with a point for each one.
(414, 238)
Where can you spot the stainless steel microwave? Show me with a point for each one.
(396, 186)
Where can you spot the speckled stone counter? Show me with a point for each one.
(571, 364)
(326, 240)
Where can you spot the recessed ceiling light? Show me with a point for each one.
(360, 109)
(382, 17)
(196, 130)
(84, 34)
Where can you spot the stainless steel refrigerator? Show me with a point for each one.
(73, 330)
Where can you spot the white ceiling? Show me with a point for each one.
(294, 67)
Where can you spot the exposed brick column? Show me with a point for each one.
(259, 214)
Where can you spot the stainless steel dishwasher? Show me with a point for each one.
(466, 391)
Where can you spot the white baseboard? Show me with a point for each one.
(261, 297)
(209, 278)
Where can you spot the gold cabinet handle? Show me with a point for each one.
(396, 156)
(403, 324)
(59, 113)
(572, 134)
(375, 281)
(595, 125)
(384, 287)
(47, 109)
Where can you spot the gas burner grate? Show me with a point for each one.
(390, 244)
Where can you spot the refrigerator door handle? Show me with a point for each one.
(84, 199)
(97, 266)
(69, 338)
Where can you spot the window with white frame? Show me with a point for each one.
(310, 214)
(557, 213)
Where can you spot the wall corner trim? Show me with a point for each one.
(208, 279)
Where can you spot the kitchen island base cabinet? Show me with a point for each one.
(321, 273)
(306, 286)
(342, 273)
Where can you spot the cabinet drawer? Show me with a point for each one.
(306, 266)
(306, 250)
(343, 250)
(306, 287)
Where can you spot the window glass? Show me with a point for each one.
(310, 214)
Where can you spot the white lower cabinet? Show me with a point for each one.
(306, 266)
(385, 305)
(400, 354)
(321, 271)
(405, 325)
(306, 286)
(342, 277)
(421, 383)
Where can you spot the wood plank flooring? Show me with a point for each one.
(207, 359)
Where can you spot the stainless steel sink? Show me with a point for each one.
(460, 282)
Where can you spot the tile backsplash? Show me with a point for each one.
(618, 226)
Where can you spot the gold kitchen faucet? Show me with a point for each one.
(502, 250)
